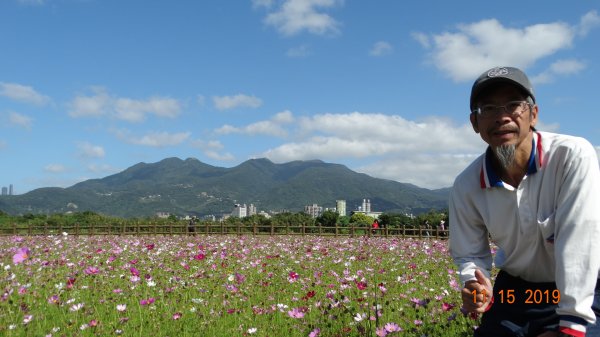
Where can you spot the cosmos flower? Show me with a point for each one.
(21, 255)
(295, 313)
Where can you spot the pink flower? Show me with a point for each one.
(92, 270)
(134, 271)
(177, 315)
(121, 307)
(21, 255)
(361, 285)
(54, 299)
(199, 257)
(392, 327)
(148, 301)
(381, 332)
(316, 332)
(295, 313)
(418, 322)
(447, 306)
(93, 323)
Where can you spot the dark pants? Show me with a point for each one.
(511, 316)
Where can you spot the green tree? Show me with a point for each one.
(361, 219)
(328, 218)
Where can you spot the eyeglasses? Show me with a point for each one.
(514, 108)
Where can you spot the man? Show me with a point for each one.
(537, 196)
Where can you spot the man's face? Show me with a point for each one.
(504, 128)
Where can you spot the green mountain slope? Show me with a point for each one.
(191, 187)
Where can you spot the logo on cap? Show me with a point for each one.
(497, 72)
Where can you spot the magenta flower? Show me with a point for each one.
(447, 306)
(316, 332)
(147, 301)
(292, 277)
(361, 285)
(134, 271)
(295, 313)
(21, 255)
(92, 270)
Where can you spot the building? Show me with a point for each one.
(366, 206)
(313, 210)
(4, 190)
(251, 210)
(340, 207)
(239, 211)
(10, 189)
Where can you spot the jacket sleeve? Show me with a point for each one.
(577, 233)
(469, 244)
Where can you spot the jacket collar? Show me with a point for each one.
(489, 178)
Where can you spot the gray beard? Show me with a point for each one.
(505, 155)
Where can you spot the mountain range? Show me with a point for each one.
(190, 187)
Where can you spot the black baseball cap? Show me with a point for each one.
(501, 74)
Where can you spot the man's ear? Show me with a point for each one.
(474, 124)
(533, 116)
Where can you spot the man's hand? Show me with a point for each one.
(477, 294)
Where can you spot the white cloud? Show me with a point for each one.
(589, 21)
(598, 153)
(90, 106)
(422, 38)
(381, 48)
(300, 51)
(212, 149)
(20, 120)
(552, 127)
(295, 16)
(560, 68)
(272, 127)
(123, 108)
(400, 149)
(240, 100)
(135, 110)
(160, 139)
(88, 150)
(472, 48)
(22, 93)
(54, 168)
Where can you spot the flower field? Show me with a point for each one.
(228, 286)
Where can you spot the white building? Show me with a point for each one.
(313, 210)
(251, 210)
(239, 211)
(340, 207)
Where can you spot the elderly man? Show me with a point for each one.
(536, 195)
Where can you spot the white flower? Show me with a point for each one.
(231, 278)
(76, 307)
(7, 267)
(252, 330)
(197, 300)
(193, 309)
(150, 283)
(65, 233)
(360, 317)
(55, 329)
(12, 327)
(121, 307)
(83, 326)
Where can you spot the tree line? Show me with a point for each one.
(327, 219)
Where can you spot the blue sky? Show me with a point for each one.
(91, 87)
